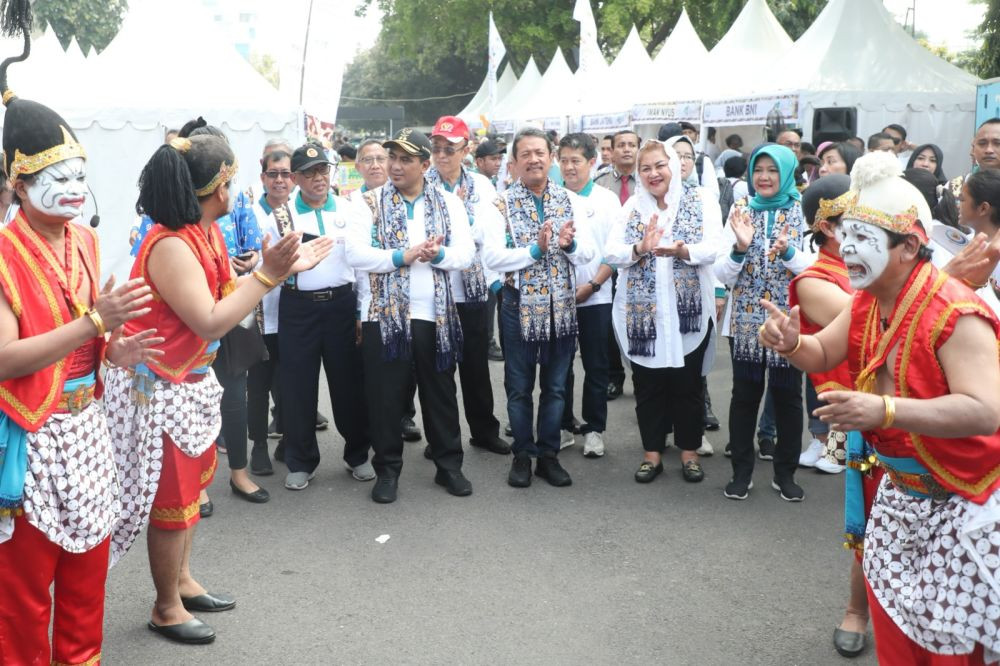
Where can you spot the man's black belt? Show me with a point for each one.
(320, 295)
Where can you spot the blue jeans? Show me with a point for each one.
(594, 323)
(817, 428)
(519, 382)
(766, 427)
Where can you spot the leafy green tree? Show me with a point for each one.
(987, 61)
(94, 23)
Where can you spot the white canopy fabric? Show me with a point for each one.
(508, 112)
(755, 43)
(556, 97)
(679, 71)
(606, 104)
(479, 104)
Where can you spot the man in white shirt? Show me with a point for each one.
(316, 315)
(542, 239)
(577, 155)
(415, 235)
(470, 287)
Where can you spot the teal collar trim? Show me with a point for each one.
(410, 205)
(302, 207)
(364, 188)
(266, 206)
(587, 189)
(540, 207)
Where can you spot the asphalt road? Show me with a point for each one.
(607, 571)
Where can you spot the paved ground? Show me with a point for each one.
(604, 572)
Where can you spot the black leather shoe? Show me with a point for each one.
(207, 509)
(428, 453)
(209, 603)
(615, 391)
(279, 451)
(848, 643)
(508, 431)
(491, 444)
(260, 461)
(386, 489)
(454, 481)
(711, 420)
(494, 353)
(192, 632)
(520, 471)
(411, 433)
(692, 471)
(322, 423)
(272, 430)
(648, 471)
(548, 468)
(258, 496)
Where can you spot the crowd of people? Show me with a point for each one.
(858, 263)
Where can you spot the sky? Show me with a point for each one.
(944, 21)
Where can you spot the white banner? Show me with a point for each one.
(606, 122)
(750, 110)
(591, 58)
(661, 113)
(502, 126)
(496, 53)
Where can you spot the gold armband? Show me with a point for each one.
(95, 317)
(890, 411)
(264, 280)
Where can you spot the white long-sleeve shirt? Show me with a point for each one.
(485, 214)
(671, 345)
(501, 259)
(602, 209)
(455, 256)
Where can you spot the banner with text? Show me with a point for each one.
(750, 110)
(661, 113)
(606, 122)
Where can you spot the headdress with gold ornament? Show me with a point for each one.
(826, 198)
(879, 196)
(34, 136)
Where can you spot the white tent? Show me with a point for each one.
(556, 97)
(607, 102)
(679, 70)
(142, 84)
(507, 113)
(855, 54)
(480, 103)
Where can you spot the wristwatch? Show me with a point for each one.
(595, 286)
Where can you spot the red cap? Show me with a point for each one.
(452, 128)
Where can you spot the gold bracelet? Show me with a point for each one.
(794, 349)
(95, 317)
(890, 411)
(264, 280)
(973, 286)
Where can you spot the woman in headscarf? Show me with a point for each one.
(765, 238)
(929, 158)
(837, 158)
(664, 245)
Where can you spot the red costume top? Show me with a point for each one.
(183, 350)
(830, 267)
(922, 320)
(43, 297)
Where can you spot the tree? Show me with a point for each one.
(987, 62)
(94, 23)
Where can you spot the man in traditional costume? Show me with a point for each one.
(921, 348)
(165, 413)
(58, 487)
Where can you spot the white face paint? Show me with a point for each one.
(60, 189)
(865, 249)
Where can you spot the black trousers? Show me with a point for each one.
(311, 333)
(616, 369)
(386, 391)
(262, 382)
(474, 371)
(743, 424)
(671, 397)
(234, 415)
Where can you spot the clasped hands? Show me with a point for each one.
(425, 251)
(567, 233)
(650, 243)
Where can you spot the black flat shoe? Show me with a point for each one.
(411, 433)
(615, 391)
(207, 509)
(258, 496)
(279, 451)
(508, 431)
(260, 461)
(454, 482)
(192, 632)
(849, 643)
(208, 603)
(692, 472)
(648, 471)
(386, 490)
(492, 444)
(428, 453)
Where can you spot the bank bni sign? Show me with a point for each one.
(749, 111)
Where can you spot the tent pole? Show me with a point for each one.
(305, 50)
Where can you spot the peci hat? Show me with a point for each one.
(308, 156)
(410, 141)
(452, 128)
(881, 197)
(489, 147)
(825, 198)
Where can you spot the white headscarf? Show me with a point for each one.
(646, 203)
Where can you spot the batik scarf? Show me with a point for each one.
(390, 305)
(473, 277)
(547, 306)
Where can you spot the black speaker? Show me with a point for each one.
(835, 123)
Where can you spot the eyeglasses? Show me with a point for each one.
(683, 157)
(897, 140)
(446, 150)
(319, 170)
(275, 175)
(368, 161)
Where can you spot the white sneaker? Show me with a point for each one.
(826, 465)
(706, 448)
(593, 445)
(567, 439)
(811, 454)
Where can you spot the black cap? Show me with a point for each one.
(669, 130)
(410, 141)
(308, 156)
(828, 187)
(489, 147)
